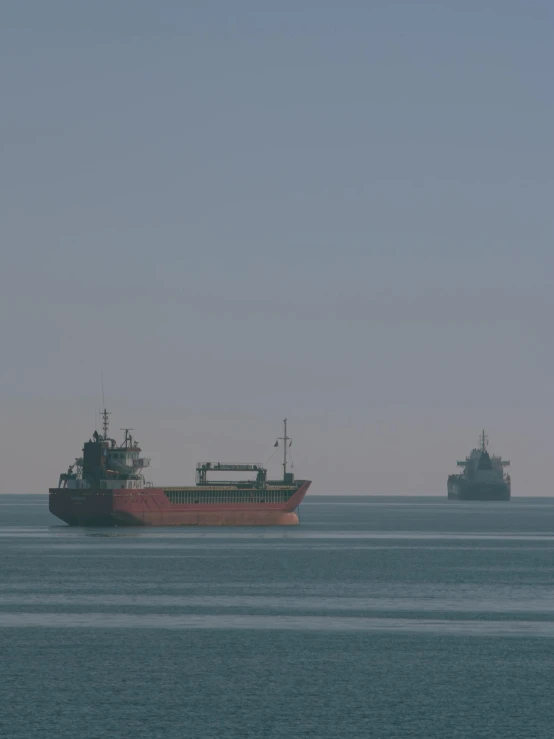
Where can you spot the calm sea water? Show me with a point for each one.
(385, 618)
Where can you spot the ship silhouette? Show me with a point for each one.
(483, 476)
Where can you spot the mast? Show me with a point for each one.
(128, 437)
(484, 441)
(284, 439)
(105, 423)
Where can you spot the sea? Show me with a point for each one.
(377, 617)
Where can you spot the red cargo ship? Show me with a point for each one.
(106, 487)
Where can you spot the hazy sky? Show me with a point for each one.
(241, 211)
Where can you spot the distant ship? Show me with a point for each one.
(106, 487)
(482, 478)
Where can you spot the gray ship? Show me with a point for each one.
(483, 476)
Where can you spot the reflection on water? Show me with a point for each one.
(94, 620)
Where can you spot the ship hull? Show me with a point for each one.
(461, 490)
(152, 507)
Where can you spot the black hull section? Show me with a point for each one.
(479, 492)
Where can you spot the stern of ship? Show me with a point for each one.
(82, 507)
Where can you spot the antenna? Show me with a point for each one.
(484, 439)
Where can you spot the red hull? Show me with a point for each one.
(151, 507)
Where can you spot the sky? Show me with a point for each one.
(338, 213)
